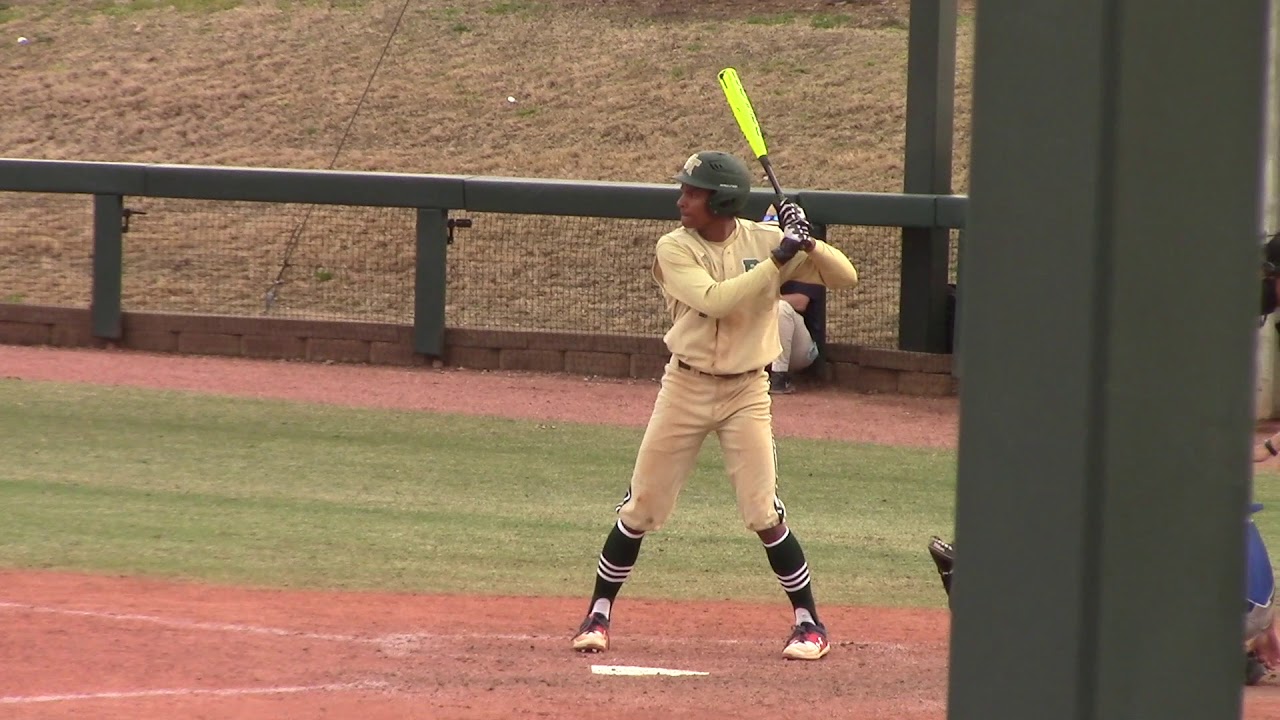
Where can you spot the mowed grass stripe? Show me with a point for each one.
(294, 495)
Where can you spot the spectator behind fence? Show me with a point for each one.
(797, 331)
(799, 350)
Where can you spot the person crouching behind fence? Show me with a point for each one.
(799, 350)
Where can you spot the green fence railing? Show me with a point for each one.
(426, 250)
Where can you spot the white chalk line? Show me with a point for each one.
(393, 641)
(185, 624)
(183, 692)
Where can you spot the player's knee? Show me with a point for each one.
(639, 519)
(772, 534)
(764, 525)
(645, 525)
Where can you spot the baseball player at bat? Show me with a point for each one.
(720, 275)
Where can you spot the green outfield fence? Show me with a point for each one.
(424, 250)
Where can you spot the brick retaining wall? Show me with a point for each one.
(863, 369)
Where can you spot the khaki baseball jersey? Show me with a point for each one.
(723, 296)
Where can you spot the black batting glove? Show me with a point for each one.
(792, 243)
(791, 216)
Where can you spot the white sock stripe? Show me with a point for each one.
(798, 585)
(804, 570)
(604, 563)
(791, 583)
(612, 575)
(796, 578)
(785, 534)
(609, 577)
(623, 528)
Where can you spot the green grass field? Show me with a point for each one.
(264, 493)
(269, 493)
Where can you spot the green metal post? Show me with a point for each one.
(931, 74)
(1111, 298)
(108, 266)
(429, 282)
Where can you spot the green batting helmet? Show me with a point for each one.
(724, 175)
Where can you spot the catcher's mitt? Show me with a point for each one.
(1254, 669)
(944, 557)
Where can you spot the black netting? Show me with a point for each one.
(505, 272)
(953, 256)
(868, 314)
(222, 258)
(593, 275)
(46, 241)
(559, 274)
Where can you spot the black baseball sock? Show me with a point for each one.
(787, 560)
(618, 557)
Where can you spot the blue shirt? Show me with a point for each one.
(1259, 579)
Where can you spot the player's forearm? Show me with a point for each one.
(833, 266)
(718, 299)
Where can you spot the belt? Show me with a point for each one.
(686, 366)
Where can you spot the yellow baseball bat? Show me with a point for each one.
(740, 104)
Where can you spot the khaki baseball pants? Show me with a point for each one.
(690, 406)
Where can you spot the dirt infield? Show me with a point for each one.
(233, 652)
(120, 647)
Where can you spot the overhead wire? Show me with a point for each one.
(296, 236)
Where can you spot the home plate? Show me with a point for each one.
(633, 670)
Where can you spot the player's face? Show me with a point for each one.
(694, 213)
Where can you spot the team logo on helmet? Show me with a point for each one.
(692, 163)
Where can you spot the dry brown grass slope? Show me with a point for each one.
(605, 90)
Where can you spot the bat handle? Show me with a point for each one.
(773, 179)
